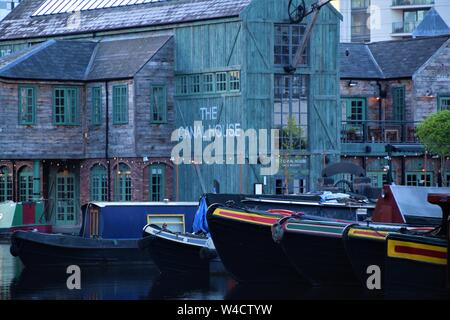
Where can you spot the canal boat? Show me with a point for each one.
(181, 253)
(420, 261)
(316, 250)
(25, 216)
(243, 241)
(109, 235)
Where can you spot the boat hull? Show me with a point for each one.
(176, 254)
(244, 244)
(53, 250)
(317, 251)
(417, 262)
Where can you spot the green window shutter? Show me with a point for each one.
(122, 190)
(158, 104)
(27, 105)
(398, 103)
(120, 104)
(25, 184)
(99, 184)
(96, 106)
(444, 103)
(157, 185)
(65, 106)
(5, 184)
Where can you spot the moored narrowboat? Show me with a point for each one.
(243, 241)
(316, 250)
(109, 235)
(24, 216)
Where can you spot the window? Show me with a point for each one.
(120, 104)
(208, 83)
(159, 104)
(296, 186)
(172, 222)
(96, 106)
(25, 184)
(221, 82)
(444, 103)
(378, 179)
(398, 103)
(157, 173)
(65, 198)
(419, 179)
(356, 109)
(412, 18)
(99, 183)
(360, 15)
(27, 105)
(182, 85)
(235, 80)
(288, 38)
(123, 183)
(5, 184)
(66, 106)
(291, 111)
(195, 83)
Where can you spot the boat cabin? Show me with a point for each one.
(125, 220)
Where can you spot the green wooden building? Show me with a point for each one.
(221, 64)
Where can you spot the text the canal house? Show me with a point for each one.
(89, 106)
(387, 89)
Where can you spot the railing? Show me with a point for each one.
(404, 27)
(379, 132)
(412, 2)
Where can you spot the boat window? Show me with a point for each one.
(172, 222)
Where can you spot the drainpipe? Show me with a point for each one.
(107, 141)
(380, 102)
(15, 183)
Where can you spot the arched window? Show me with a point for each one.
(5, 184)
(25, 184)
(99, 183)
(157, 187)
(122, 183)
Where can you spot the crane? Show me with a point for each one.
(297, 12)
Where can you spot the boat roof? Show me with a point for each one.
(413, 201)
(141, 204)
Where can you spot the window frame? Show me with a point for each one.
(211, 83)
(100, 192)
(417, 175)
(97, 105)
(440, 98)
(162, 191)
(121, 187)
(399, 102)
(290, 45)
(120, 110)
(222, 82)
(232, 81)
(6, 185)
(33, 105)
(25, 194)
(163, 108)
(75, 117)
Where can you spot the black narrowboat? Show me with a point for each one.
(109, 235)
(243, 241)
(420, 261)
(316, 250)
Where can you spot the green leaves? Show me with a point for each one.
(434, 133)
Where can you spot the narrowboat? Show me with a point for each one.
(181, 253)
(16, 216)
(109, 235)
(243, 241)
(396, 210)
(420, 261)
(316, 250)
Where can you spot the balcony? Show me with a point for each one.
(402, 4)
(381, 132)
(402, 28)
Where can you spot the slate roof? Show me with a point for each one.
(387, 59)
(20, 24)
(75, 60)
(431, 25)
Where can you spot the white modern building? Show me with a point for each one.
(6, 6)
(380, 20)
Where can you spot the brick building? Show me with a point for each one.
(387, 89)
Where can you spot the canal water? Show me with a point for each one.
(144, 283)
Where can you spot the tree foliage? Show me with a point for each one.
(434, 133)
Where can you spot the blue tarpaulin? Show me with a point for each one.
(200, 224)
